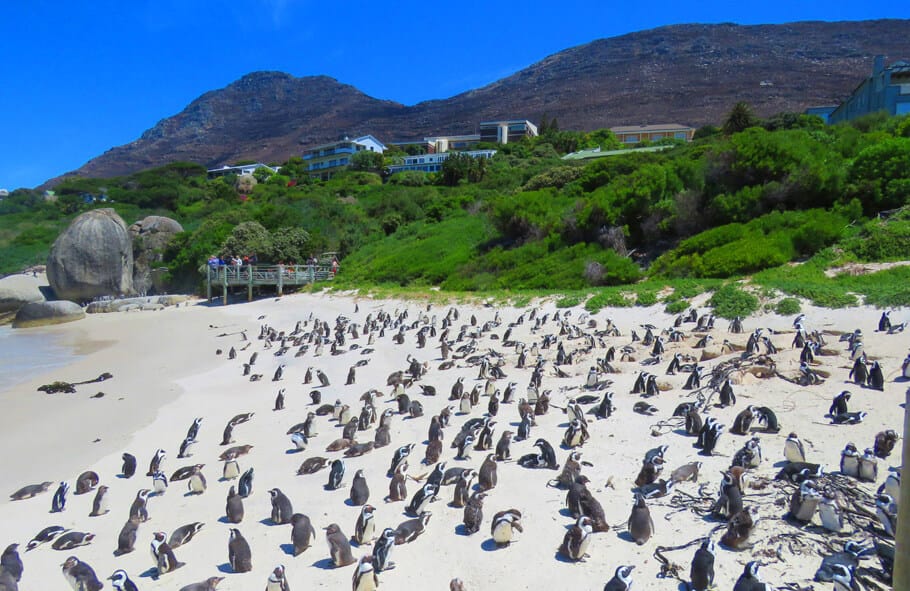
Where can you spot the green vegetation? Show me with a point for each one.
(779, 201)
(787, 307)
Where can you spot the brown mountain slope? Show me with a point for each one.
(690, 74)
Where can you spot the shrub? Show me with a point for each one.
(676, 307)
(646, 298)
(608, 298)
(787, 307)
(569, 301)
(730, 301)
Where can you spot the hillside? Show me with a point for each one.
(686, 73)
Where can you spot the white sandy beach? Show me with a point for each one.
(166, 373)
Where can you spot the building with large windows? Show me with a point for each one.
(433, 162)
(886, 90)
(634, 134)
(325, 160)
(503, 132)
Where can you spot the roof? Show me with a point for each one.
(649, 128)
(596, 153)
(505, 122)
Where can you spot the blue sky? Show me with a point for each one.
(81, 77)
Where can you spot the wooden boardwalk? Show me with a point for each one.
(257, 275)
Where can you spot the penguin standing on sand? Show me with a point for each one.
(382, 550)
(80, 575)
(277, 580)
(876, 379)
(365, 578)
(58, 503)
(234, 506)
(155, 463)
(577, 539)
(159, 482)
(336, 474)
(339, 547)
(793, 449)
(100, 504)
(129, 465)
(749, 580)
(365, 526)
(849, 461)
(122, 582)
(245, 484)
(640, 524)
(622, 579)
(302, 532)
(282, 511)
(240, 556)
(197, 484)
(701, 573)
(11, 563)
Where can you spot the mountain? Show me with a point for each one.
(690, 74)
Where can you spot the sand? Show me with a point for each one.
(166, 373)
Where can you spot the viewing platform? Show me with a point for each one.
(259, 275)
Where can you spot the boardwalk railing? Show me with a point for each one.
(256, 275)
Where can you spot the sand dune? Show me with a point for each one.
(166, 373)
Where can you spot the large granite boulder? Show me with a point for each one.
(45, 313)
(18, 290)
(150, 237)
(93, 257)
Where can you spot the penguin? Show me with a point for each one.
(282, 511)
(207, 585)
(868, 466)
(729, 499)
(892, 484)
(710, 440)
(186, 447)
(245, 484)
(164, 554)
(44, 536)
(727, 397)
(473, 513)
(240, 556)
(504, 525)
(122, 582)
(126, 539)
(839, 404)
(876, 379)
(312, 465)
(749, 580)
(640, 524)
(279, 400)
(886, 510)
(739, 528)
(743, 421)
(159, 482)
(843, 578)
(421, 499)
(804, 501)
(336, 474)
(234, 506)
(11, 563)
(100, 504)
(397, 489)
(694, 422)
(830, 513)
(86, 482)
(884, 443)
(793, 449)
(184, 534)
(129, 465)
(231, 468)
(701, 572)
(463, 488)
(622, 579)
(399, 456)
(58, 503)
(277, 580)
(360, 492)
(279, 372)
(80, 575)
(339, 547)
(72, 539)
(365, 578)
(302, 533)
(410, 530)
(365, 526)
(577, 539)
(193, 431)
(487, 476)
(196, 483)
(155, 463)
(382, 550)
(323, 379)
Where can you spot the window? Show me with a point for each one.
(680, 135)
(631, 139)
(656, 136)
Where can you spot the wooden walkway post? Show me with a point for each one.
(224, 286)
(208, 283)
(249, 284)
(902, 536)
(280, 280)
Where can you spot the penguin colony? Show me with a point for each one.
(521, 400)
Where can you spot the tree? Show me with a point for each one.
(248, 238)
(366, 160)
(739, 119)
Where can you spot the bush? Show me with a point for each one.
(730, 301)
(787, 307)
(608, 298)
(676, 307)
(568, 301)
(646, 298)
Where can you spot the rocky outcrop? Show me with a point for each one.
(18, 290)
(93, 257)
(46, 313)
(150, 237)
(143, 303)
